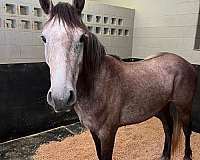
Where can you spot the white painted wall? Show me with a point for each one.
(166, 25)
(120, 3)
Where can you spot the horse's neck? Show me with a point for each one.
(110, 69)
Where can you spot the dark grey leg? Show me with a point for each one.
(187, 132)
(97, 144)
(107, 145)
(167, 123)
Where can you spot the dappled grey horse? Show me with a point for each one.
(106, 92)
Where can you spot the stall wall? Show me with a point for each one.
(169, 26)
(21, 23)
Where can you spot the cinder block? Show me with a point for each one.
(105, 40)
(36, 40)
(24, 38)
(1, 9)
(37, 25)
(11, 37)
(1, 23)
(24, 25)
(2, 37)
(10, 23)
(32, 52)
(190, 31)
(124, 52)
(187, 7)
(10, 8)
(9, 51)
(188, 43)
(24, 10)
(187, 20)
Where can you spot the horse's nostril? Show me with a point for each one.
(71, 98)
(49, 96)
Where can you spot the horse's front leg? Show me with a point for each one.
(107, 144)
(104, 143)
(97, 144)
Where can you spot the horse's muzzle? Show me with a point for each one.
(61, 104)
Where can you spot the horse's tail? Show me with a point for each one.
(177, 125)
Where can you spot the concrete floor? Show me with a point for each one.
(24, 148)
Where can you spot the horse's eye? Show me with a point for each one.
(83, 37)
(44, 39)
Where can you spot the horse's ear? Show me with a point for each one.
(46, 5)
(79, 5)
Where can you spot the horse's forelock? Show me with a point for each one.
(67, 14)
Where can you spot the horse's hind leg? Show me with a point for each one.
(185, 117)
(183, 92)
(167, 123)
(187, 132)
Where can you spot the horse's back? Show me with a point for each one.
(171, 58)
(170, 63)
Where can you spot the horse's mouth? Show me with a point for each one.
(65, 109)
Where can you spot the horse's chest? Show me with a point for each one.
(85, 117)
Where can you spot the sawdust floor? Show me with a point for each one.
(136, 142)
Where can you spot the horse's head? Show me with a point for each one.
(62, 36)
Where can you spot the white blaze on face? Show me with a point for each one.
(61, 57)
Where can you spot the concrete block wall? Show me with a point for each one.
(113, 26)
(160, 25)
(21, 22)
(170, 26)
(19, 35)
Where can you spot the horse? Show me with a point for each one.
(106, 92)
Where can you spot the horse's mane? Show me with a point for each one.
(67, 14)
(93, 56)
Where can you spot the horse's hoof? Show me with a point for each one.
(164, 158)
(187, 158)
